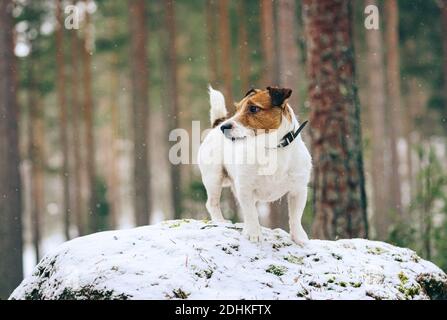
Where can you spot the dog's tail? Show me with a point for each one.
(218, 112)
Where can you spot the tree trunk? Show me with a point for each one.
(339, 194)
(226, 73)
(225, 52)
(11, 269)
(140, 112)
(443, 4)
(76, 108)
(174, 112)
(394, 108)
(427, 210)
(288, 50)
(211, 41)
(36, 151)
(288, 77)
(269, 74)
(377, 108)
(94, 219)
(113, 181)
(60, 79)
(244, 49)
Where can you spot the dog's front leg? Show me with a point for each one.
(297, 203)
(252, 228)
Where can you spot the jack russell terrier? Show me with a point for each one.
(265, 122)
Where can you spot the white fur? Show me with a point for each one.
(217, 101)
(249, 184)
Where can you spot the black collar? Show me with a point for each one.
(290, 136)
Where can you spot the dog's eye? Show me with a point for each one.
(253, 109)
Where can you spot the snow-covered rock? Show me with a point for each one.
(189, 259)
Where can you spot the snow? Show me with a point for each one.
(203, 260)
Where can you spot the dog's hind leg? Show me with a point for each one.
(297, 203)
(213, 186)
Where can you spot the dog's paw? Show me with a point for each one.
(299, 239)
(253, 235)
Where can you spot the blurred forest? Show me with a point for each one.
(85, 114)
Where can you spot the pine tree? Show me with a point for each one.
(174, 112)
(339, 194)
(76, 112)
(62, 104)
(267, 28)
(11, 269)
(89, 111)
(140, 112)
(394, 104)
(225, 51)
(377, 108)
(244, 49)
(210, 12)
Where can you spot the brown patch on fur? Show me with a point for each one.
(218, 121)
(267, 118)
(249, 92)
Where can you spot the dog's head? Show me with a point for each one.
(258, 111)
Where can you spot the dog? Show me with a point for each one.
(262, 115)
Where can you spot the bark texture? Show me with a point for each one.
(225, 52)
(394, 107)
(62, 104)
(211, 41)
(377, 111)
(11, 270)
(174, 112)
(244, 49)
(443, 4)
(76, 112)
(268, 45)
(140, 112)
(87, 49)
(288, 52)
(37, 157)
(339, 194)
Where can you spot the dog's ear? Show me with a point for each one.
(250, 92)
(279, 95)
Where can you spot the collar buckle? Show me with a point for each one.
(290, 136)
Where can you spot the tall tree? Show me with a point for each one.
(377, 110)
(394, 107)
(87, 49)
(174, 112)
(36, 155)
(78, 204)
(210, 12)
(339, 194)
(62, 104)
(287, 74)
(269, 77)
(244, 49)
(11, 269)
(225, 51)
(112, 178)
(443, 4)
(226, 73)
(267, 28)
(288, 53)
(140, 112)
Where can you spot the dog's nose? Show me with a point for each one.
(226, 126)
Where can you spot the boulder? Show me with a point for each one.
(190, 259)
